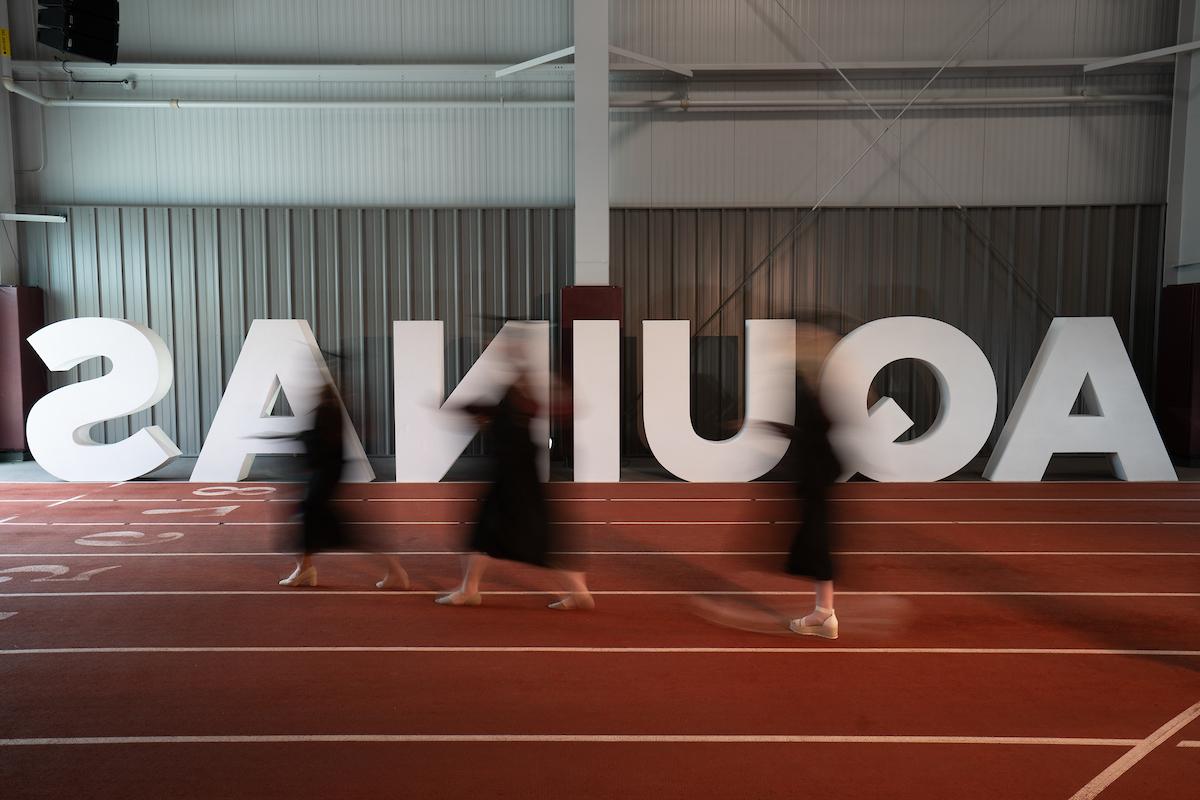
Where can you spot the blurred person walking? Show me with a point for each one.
(322, 527)
(514, 521)
(813, 468)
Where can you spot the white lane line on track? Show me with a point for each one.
(889, 553)
(798, 650)
(1189, 744)
(567, 738)
(611, 592)
(650, 499)
(1140, 751)
(118, 523)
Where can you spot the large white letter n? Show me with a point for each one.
(429, 439)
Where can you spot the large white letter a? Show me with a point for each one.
(1081, 357)
(279, 355)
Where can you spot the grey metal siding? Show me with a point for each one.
(200, 276)
(998, 274)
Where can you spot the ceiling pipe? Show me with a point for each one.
(684, 104)
(853, 103)
(180, 104)
(404, 73)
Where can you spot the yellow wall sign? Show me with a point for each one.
(5, 43)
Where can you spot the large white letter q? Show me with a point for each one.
(866, 438)
(59, 425)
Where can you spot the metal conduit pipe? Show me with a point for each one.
(854, 103)
(53, 102)
(748, 106)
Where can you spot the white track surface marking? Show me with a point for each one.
(791, 651)
(1140, 751)
(637, 553)
(283, 592)
(568, 739)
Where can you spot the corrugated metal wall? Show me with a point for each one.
(759, 31)
(688, 31)
(331, 31)
(979, 157)
(998, 274)
(476, 157)
(490, 158)
(200, 276)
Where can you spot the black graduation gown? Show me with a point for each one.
(813, 468)
(514, 517)
(324, 455)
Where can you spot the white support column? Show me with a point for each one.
(1183, 195)
(9, 272)
(591, 143)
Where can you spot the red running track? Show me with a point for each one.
(999, 641)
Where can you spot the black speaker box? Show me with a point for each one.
(100, 8)
(88, 28)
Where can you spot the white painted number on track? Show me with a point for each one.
(53, 572)
(225, 491)
(126, 539)
(212, 511)
(6, 614)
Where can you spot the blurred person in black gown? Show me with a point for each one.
(322, 527)
(514, 521)
(811, 466)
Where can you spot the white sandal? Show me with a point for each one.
(574, 602)
(299, 577)
(826, 629)
(394, 580)
(457, 598)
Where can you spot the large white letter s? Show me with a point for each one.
(59, 425)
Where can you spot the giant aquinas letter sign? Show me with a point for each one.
(1080, 358)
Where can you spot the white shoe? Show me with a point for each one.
(827, 629)
(574, 602)
(394, 580)
(457, 598)
(299, 577)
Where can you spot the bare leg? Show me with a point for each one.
(474, 565)
(824, 595)
(577, 596)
